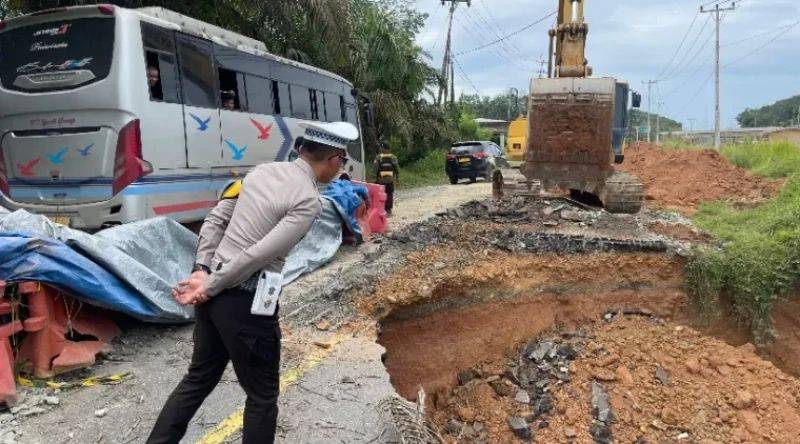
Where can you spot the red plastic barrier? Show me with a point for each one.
(373, 220)
(8, 391)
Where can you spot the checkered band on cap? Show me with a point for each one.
(325, 138)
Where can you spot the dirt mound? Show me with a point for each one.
(662, 382)
(682, 179)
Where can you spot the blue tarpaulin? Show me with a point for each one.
(347, 197)
(24, 257)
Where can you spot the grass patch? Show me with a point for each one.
(766, 159)
(759, 260)
(427, 171)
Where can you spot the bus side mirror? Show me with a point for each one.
(636, 100)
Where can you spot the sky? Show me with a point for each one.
(635, 41)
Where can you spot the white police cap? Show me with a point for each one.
(334, 134)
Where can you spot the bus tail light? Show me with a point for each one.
(106, 9)
(3, 25)
(128, 163)
(3, 173)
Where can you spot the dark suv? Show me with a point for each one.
(471, 160)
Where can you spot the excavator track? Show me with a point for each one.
(623, 193)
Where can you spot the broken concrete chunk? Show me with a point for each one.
(542, 349)
(662, 375)
(522, 397)
(601, 405)
(542, 405)
(601, 432)
(520, 427)
(550, 210)
(575, 216)
(100, 413)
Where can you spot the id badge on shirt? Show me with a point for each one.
(266, 298)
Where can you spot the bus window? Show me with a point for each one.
(159, 52)
(312, 99)
(197, 72)
(232, 90)
(56, 55)
(259, 95)
(301, 102)
(333, 107)
(281, 98)
(320, 105)
(162, 77)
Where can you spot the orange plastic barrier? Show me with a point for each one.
(46, 349)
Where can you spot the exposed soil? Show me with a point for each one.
(682, 179)
(444, 331)
(706, 391)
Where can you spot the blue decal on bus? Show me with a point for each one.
(85, 151)
(202, 125)
(58, 157)
(238, 153)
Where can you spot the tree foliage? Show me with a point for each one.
(500, 107)
(781, 113)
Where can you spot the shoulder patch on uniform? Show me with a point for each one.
(232, 190)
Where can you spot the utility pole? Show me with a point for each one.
(650, 84)
(658, 122)
(447, 61)
(716, 11)
(542, 64)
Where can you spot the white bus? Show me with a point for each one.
(111, 115)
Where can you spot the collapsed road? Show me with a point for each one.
(530, 319)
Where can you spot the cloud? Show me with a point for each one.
(631, 40)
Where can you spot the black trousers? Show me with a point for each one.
(389, 196)
(225, 330)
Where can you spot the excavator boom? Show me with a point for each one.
(570, 40)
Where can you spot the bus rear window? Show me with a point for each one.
(56, 55)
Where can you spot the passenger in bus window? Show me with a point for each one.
(154, 82)
(229, 100)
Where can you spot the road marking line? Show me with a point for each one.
(233, 423)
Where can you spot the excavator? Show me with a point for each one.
(576, 127)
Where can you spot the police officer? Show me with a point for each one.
(251, 229)
(388, 172)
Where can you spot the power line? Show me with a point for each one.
(769, 42)
(760, 34)
(692, 59)
(507, 36)
(671, 73)
(465, 76)
(683, 40)
(493, 51)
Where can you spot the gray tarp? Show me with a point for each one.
(150, 255)
(154, 254)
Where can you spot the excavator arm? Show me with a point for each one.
(569, 37)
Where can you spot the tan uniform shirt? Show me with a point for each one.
(275, 209)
